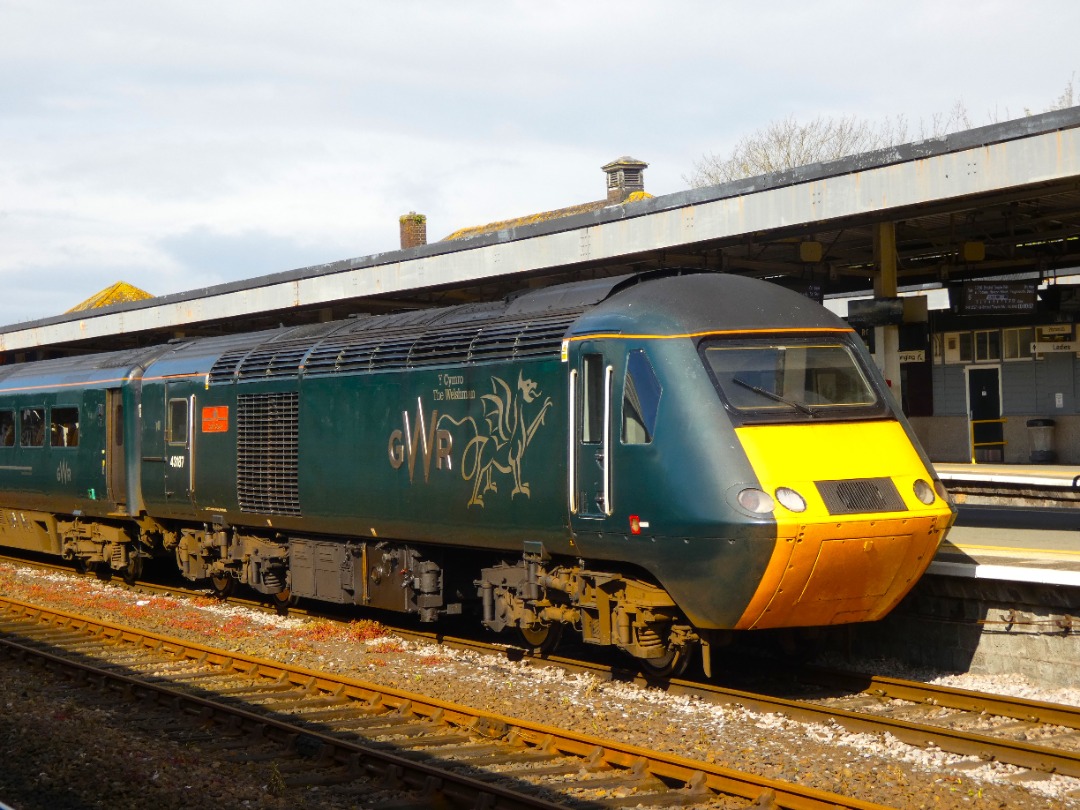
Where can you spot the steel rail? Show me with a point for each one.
(950, 697)
(701, 779)
(1022, 754)
(1012, 752)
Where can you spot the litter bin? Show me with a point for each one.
(1041, 434)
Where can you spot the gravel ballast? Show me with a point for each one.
(48, 742)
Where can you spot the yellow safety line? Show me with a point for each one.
(1014, 549)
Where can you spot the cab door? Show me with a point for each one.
(591, 469)
(179, 456)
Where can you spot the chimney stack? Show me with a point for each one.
(413, 230)
(624, 177)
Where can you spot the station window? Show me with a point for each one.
(987, 345)
(7, 428)
(1016, 343)
(178, 421)
(641, 398)
(959, 347)
(64, 427)
(32, 427)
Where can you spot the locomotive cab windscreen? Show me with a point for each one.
(785, 379)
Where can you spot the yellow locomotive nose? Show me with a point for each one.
(864, 533)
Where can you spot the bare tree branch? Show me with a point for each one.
(788, 143)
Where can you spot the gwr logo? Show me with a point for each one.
(433, 442)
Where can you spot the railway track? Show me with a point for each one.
(1042, 737)
(331, 730)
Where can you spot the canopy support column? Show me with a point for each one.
(887, 338)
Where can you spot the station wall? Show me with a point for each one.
(1046, 387)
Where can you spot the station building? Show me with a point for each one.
(957, 259)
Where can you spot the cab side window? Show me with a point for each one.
(7, 428)
(641, 399)
(177, 421)
(592, 407)
(32, 427)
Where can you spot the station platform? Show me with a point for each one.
(1031, 544)
(1050, 476)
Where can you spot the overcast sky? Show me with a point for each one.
(177, 145)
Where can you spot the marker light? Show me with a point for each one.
(790, 499)
(635, 524)
(755, 501)
(924, 492)
(943, 493)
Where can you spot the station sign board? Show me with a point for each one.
(876, 311)
(1048, 346)
(1054, 330)
(996, 298)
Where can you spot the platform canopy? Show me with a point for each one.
(991, 202)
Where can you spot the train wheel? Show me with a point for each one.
(670, 665)
(283, 600)
(223, 586)
(542, 639)
(133, 570)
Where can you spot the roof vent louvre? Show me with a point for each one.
(466, 344)
(224, 369)
(272, 361)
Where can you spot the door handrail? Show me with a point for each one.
(975, 445)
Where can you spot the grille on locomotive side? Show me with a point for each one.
(267, 453)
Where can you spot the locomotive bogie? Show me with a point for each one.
(636, 616)
(261, 564)
(110, 546)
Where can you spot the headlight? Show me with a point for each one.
(924, 492)
(755, 501)
(790, 499)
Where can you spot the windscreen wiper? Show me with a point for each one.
(774, 396)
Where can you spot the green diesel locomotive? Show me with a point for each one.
(656, 461)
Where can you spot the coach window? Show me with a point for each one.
(641, 398)
(7, 428)
(32, 427)
(64, 427)
(178, 421)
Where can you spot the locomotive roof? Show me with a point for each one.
(703, 302)
(529, 324)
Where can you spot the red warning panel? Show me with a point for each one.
(215, 419)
